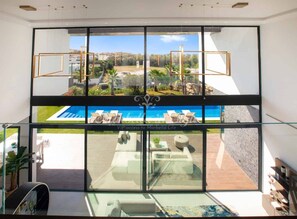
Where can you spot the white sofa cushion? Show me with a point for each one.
(124, 208)
(144, 206)
(126, 162)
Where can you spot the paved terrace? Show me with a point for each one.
(63, 164)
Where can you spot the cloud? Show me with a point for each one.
(172, 38)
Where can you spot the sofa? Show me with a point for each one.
(176, 162)
(126, 162)
(127, 208)
(126, 159)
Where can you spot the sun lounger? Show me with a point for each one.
(189, 115)
(99, 111)
(112, 118)
(170, 112)
(173, 115)
(185, 112)
(114, 111)
(96, 118)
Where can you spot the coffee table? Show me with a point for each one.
(181, 141)
(163, 146)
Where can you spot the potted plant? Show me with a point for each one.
(14, 163)
(156, 141)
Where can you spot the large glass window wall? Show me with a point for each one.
(179, 61)
(187, 81)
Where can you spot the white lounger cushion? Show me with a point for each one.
(170, 112)
(99, 111)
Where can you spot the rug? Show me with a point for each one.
(196, 211)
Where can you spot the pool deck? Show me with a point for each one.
(165, 118)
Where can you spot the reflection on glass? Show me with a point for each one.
(232, 159)
(59, 158)
(114, 160)
(173, 63)
(119, 63)
(12, 141)
(174, 160)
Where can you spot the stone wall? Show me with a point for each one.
(242, 146)
(243, 143)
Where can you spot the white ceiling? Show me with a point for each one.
(144, 9)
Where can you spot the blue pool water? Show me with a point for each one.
(156, 112)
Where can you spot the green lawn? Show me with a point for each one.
(9, 132)
(45, 112)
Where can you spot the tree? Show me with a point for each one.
(134, 82)
(97, 71)
(105, 65)
(173, 69)
(16, 162)
(112, 75)
(155, 74)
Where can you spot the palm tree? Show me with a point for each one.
(154, 74)
(170, 70)
(104, 67)
(113, 75)
(16, 162)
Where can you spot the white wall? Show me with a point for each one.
(242, 44)
(15, 73)
(279, 79)
(52, 41)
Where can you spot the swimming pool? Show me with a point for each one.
(135, 112)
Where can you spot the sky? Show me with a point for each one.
(156, 44)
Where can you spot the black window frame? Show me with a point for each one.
(202, 100)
